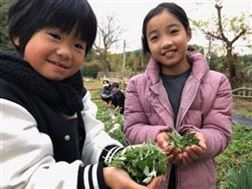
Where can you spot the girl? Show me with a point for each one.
(49, 135)
(178, 91)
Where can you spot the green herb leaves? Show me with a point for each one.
(182, 142)
(143, 162)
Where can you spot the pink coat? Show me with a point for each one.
(206, 106)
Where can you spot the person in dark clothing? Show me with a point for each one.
(106, 92)
(118, 97)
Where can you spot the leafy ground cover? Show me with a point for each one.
(237, 155)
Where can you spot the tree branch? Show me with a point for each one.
(219, 7)
(239, 35)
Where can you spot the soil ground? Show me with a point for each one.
(243, 105)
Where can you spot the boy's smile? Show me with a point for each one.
(58, 63)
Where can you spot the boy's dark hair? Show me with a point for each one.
(170, 7)
(26, 17)
(115, 85)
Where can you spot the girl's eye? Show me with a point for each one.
(153, 37)
(55, 36)
(174, 31)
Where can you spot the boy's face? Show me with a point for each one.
(54, 54)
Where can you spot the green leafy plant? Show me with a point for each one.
(237, 154)
(143, 162)
(239, 178)
(182, 142)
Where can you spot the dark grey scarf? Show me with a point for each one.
(64, 96)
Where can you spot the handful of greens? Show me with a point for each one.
(143, 162)
(182, 142)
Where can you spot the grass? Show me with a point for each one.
(90, 83)
(240, 178)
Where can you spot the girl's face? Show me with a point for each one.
(54, 54)
(167, 40)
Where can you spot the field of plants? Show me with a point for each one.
(234, 165)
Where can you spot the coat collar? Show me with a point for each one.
(199, 68)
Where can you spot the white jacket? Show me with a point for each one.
(27, 155)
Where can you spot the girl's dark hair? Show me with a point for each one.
(26, 17)
(170, 7)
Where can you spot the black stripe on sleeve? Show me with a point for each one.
(100, 177)
(80, 184)
(109, 152)
(105, 152)
(90, 177)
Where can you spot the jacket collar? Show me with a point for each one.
(199, 68)
(199, 63)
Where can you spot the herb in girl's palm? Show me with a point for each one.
(143, 162)
(182, 142)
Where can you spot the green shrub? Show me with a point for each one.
(91, 69)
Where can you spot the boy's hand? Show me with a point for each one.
(116, 178)
(155, 183)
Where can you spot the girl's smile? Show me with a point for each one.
(168, 53)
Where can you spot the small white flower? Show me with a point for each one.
(113, 117)
(115, 127)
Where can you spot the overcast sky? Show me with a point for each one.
(130, 15)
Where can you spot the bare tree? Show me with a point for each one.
(239, 29)
(108, 35)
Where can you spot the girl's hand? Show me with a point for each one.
(161, 140)
(170, 150)
(195, 152)
(116, 178)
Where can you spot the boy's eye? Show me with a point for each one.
(79, 46)
(55, 35)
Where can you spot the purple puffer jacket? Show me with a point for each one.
(206, 106)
